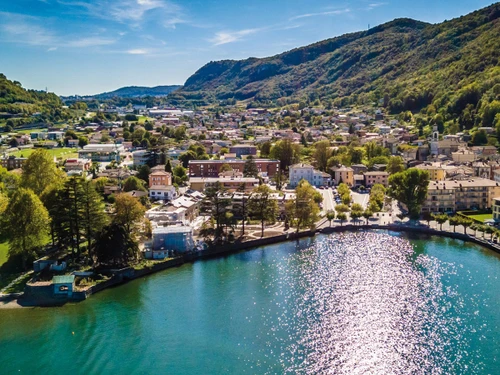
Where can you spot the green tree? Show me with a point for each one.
(217, 203)
(83, 141)
(144, 172)
(133, 183)
(265, 149)
(250, 168)
(410, 188)
(262, 207)
(480, 138)
(40, 171)
(27, 224)
(321, 154)
(454, 221)
(395, 164)
(128, 212)
(303, 210)
(115, 246)
(92, 211)
(286, 152)
(226, 168)
(466, 222)
(342, 216)
(168, 167)
(367, 214)
(330, 215)
(356, 211)
(186, 157)
(440, 219)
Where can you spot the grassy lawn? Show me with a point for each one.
(4, 248)
(64, 152)
(482, 218)
(142, 119)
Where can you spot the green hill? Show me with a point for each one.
(138, 91)
(23, 106)
(403, 64)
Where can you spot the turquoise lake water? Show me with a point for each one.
(354, 303)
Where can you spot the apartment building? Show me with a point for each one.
(376, 177)
(343, 174)
(211, 168)
(458, 195)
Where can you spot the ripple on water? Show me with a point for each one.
(363, 304)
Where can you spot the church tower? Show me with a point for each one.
(435, 141)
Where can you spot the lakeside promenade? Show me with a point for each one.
(384, 221)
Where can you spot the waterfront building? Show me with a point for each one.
(173, 238)
(458, 195)
(496, 209)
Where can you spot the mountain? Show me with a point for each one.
(138, 91)
(404, 64)
(23, 106)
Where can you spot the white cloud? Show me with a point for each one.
(138, 51)
(131, 12)
(375, 5)
(22, 29)
(52, 49)
(327, 13)
(224, 37)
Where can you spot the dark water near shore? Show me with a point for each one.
(365, 303)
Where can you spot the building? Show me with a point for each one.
(302, 171)
(228, 183)
(241, 150)
(63, 285)
(463, 156)
(160, 178)
(12, 162)
(211, 168)
(496, 209)
(77, 165)
(101, 152)
(436, 172)
(173, 238)
(343, 175)
(160, 192)
(376, 177)
(141, 157)
(458, 195)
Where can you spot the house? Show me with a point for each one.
(63, 285)
(344, 175)
(376, 177)
(77, 165)
(242, 149)
(160, 178)
(162, 192)
(101, 152)
(496, 209)
(12, 162)
(436, 172)
(172, 238)
(307, 172)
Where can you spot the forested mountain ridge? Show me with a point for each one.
(14, 99)
(138, 91)
(403, 64)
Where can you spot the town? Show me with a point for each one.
(134, 186)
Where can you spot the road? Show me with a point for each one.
(362, 199)
(328, 201)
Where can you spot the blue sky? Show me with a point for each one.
(91, 46)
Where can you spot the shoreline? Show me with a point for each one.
(129, 274)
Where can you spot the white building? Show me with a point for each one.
(141, 157)
(166, 193)
(307, 172)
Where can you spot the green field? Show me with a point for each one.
(142, 119)
(64, 152)
(482, 217)
(4, 249)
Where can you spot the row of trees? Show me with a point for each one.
(260, 205)
(44, 202)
